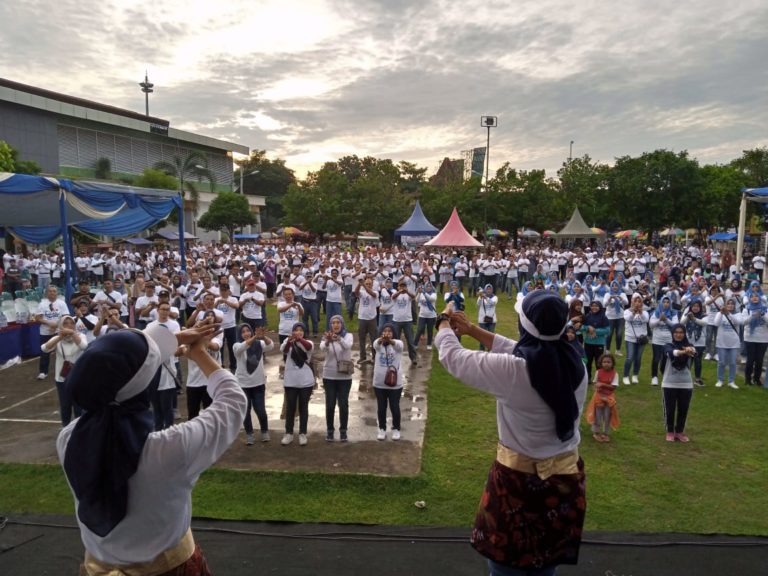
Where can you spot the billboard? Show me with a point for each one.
(474, 162)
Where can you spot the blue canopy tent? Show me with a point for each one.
(751, 195)
(39, 209)
(247, 236)
(416, 226)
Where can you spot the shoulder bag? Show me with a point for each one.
(342, 366)
(390, 378)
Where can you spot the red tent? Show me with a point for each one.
(454, 234)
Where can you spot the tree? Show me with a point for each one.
(193, 166)
(754, 165)
(228, 211)
(584, 185)
(268, 178)
(103, 168)
(718, 205)
(152, 178)
(6, 157)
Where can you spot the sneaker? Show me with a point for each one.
(429, 347)
(699, 382)
(42, 376)
(733, 385)
(670, 437)
(708, 356)
(742, 360)
(654, 381)
(635, 380)
(716, 358)
(680, 437)
(382, 435)
(249, 440)
(176, 414)
(265, 436)
(329, 436)
(395, 434)
(287, 439)
(343, 436)
(302, 439)
(719, 384)
(618, 353)
(625, 380)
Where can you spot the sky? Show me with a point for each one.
(312, 81)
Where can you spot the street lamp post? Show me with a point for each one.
(488, 122)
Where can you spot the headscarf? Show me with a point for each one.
(112, 380)
(554, 366)
(299, 350)
(343, 331)
(596, 319)
(660, 307)
(692, 329)
(678, 362)
(754, 321)
(527, 287)
(254, 352)
(616, 292)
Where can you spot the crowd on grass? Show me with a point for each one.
(299, 299)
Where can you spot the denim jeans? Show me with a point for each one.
(311, 313)
(332, 309)
(255, 396)
(230, 337)
(429, 325)
(336, 393)
(726, 358)
(617, 328)
(389, 396)
(66, 405)
(490, 326)
(365, 329)
(710, 338)
(383, 319)
(406, 327)
(496, 569)
(45, 357)
(162, 408)
(634, 358)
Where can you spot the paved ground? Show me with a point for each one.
(50, 545)
(29, 423)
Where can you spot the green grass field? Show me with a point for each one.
(638, 482)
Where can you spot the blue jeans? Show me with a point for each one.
(383, 319)
(491, 327)
(497, 569)
(710, 338)
(162, 408)
(336, 393)
(66, 405)
(407, 328)
(634, 358)
(617, 328)
(332, 309)
(429, 324)
(255, 398)
(311, 312)
(726, 357)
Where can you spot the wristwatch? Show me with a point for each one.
(441, 318)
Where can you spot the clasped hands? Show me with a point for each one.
(459, 322)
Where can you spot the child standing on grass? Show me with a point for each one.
(602, 412)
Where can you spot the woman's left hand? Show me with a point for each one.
(460, 323)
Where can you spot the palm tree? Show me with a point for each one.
(188, 171)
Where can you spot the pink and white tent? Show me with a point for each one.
(454, 234)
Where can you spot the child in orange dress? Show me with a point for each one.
(601, 411)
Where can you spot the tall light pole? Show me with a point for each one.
(488, 122)
(147, 87)
(570, 152)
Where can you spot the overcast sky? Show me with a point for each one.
(315, 80)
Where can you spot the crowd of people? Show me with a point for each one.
(620, 299)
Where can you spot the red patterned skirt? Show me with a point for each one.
(196, 565)
(526, 522)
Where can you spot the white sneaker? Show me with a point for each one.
(719, 384)
(708, 356)
(429, 347)
(287, 439)
(42, 376)
(395, 434)
(249, 440)
(733, 385)
(654, 381)
(302, 439)
(618, 353)
(716, 358)
(382, 435)
(742, 360)
(625, 380)
(635, 380)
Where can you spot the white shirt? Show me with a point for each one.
(160, 501)
(52, 312)
(258, 377)
(251, 303)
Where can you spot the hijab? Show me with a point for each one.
(254, 352)
(299, 351)
(554, 365)
(112, 380)
(596, 319)
(755, 320)
(678, 362)
(340, 318)
(692, 329)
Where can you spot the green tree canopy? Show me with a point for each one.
(6, 157)
(228, 211)
(268, 178)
